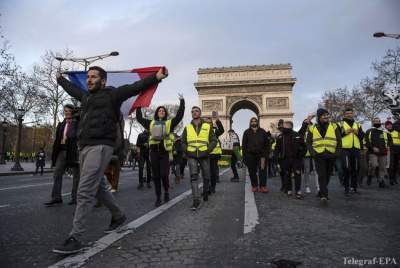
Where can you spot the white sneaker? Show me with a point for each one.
(289, 192)
(308, 190)
(113, 190)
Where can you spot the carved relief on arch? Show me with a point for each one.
(230, 100)
(212, 105)
(277, 103)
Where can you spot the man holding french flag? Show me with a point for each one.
(101, 103)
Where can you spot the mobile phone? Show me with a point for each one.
(164, 70)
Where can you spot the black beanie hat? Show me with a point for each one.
(320, 112)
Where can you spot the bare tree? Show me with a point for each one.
(45, 74)
(18, 90)
(336, 100)
(388, 69)
(370, 100)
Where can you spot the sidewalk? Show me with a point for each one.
(359, 227)
(29, 168)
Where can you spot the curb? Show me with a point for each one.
(12, 173)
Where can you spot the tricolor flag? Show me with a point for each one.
(120, 78)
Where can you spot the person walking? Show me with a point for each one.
(394, 153)
(161, 139)
(177, 159)
(234, 142)
(324, 144)
(40, 161)
(255, 148)
(198, 141)
(97, 134)
(142, 148)
(378, 143)
(65, 156)
(291, 148)
(216, 153)
(352, 136)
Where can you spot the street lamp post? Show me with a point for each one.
(382, 34)
(89, 60)
(17, 165)
(4, 125)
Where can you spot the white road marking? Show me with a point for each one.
(64, 194)
(4, 206)
(104, 242)
(25, 186)
(250, 209)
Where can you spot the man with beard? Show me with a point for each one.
(290, 148)
(352, 135)
(255, 147)
(97, 136)
(324, 142)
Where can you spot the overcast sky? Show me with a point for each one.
(328, 43)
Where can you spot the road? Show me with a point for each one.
(29, 230)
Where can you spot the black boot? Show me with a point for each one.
(158, 202)
(166, 197)
(369, 179)
(205, 196)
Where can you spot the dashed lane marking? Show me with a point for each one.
(250, 209)
(25, 186)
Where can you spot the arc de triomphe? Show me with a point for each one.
(264, 89)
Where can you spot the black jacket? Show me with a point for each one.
(256, 143)
(143, 143)
(100, 109)
(70, 146)
(290, 145)
(374, 138)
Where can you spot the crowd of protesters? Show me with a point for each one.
(89, 146)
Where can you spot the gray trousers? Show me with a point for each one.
(61, 166)
(93, 162)
(195, 164)
(377, 161)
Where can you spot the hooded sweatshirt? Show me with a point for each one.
(256, 142)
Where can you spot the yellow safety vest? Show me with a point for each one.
(395, 137)
(197, 143)
(273, 146)
(329, 142)
(217, 149)
(350, 140)
(168, 139)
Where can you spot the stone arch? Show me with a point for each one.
(264, 89)
(240, 104)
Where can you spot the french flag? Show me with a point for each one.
(120, 78)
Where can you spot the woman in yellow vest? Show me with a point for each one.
(161, 139)
(198, 141)
(324, 142)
